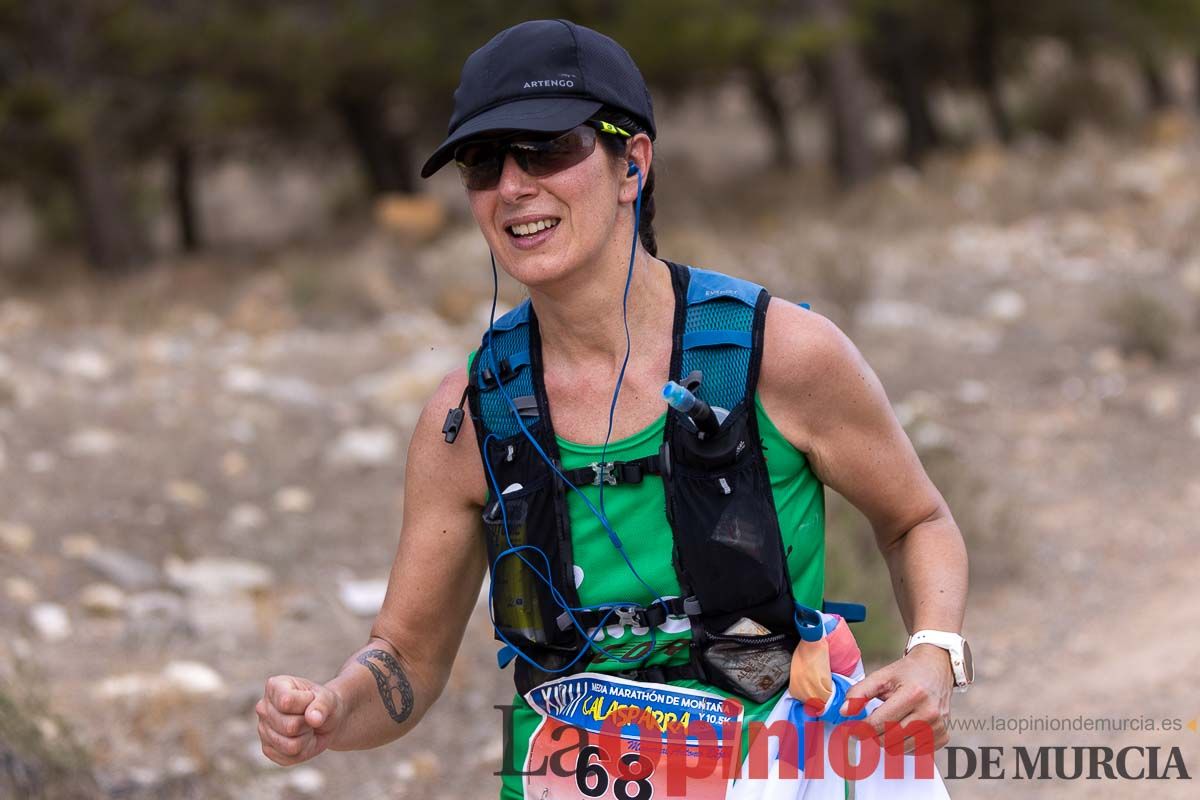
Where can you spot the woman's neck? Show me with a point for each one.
(579, 317)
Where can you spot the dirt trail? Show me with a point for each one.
(983, 299)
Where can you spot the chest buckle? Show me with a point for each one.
(604, 473)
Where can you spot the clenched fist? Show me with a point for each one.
(296, 719)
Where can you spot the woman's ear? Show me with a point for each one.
(638, 156)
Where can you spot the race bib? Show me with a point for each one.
(607, 737)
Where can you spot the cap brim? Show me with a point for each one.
(542, 114)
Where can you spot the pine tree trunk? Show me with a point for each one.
(984, 56)
(912, 94)
(111, 235)
(1158, 96)
(385, 156)
(1196, 81)
(773, 114)
(841, 75)
(900, 64)
(183, 186)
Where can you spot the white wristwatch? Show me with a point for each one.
(956, 646)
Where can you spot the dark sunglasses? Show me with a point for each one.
(480, 163)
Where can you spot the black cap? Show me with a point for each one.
(544, 75)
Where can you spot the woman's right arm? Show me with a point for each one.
(384, 689)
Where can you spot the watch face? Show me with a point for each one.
(968, 663)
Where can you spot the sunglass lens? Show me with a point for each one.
(480, 163)
(554, 155)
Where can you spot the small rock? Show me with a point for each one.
(1107, 359)
(973, 393)
(50, 622)
(246, 517)
(93, 442)
(302, 607)
(130, 686)
(1191, 276)
(48, 728)
(102, 599)
(363, 598)
(217, 575)
(78, 545)
(156, 615)
(416, 218)
(1005, 305)
(16, 536)
(233, 464)
(241, 430)
(193, 678)
(1163, 401)
(129, 572)
(426, 764)
(241, 379)
(490, 755)
(892, 314)
(21, 590)
(404, 771)
(224, 619)
(363, 447)
(293, 500)
(306, 780)
(86, 364)
(18, 316)
(929, 436)
(294, 391)
(182, 766)
(1110, 385)
(40, 461)
(187, 493)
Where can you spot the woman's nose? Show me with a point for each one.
(514, 181)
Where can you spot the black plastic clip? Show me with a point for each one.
(454, 420)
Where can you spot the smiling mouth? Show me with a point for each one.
(531, 228)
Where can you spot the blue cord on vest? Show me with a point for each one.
(612, 409)
(555, 594)
(597, 513)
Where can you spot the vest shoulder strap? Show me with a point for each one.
(722, 323)
(506, 361)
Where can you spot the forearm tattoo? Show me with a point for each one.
(392, 682)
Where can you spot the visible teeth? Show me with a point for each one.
(533, 227)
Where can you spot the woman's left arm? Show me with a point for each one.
(822, 395)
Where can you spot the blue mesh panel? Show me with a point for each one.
(496, 415)
(724, 368)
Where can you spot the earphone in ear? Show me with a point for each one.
(633, 170)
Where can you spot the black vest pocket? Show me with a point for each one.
(756, 667)
(726, 529)
(522, 601)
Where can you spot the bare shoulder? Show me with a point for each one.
(454, 468)
(810, 370)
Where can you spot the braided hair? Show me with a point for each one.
(615, 145)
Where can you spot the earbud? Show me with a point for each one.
(633, 170)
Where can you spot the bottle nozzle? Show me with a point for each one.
(678, 397)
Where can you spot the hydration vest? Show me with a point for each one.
(727, 549)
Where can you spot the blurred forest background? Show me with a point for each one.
(113, 111)
(225, 296)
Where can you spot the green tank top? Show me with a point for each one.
(637, 512)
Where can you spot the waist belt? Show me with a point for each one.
(648, 617)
